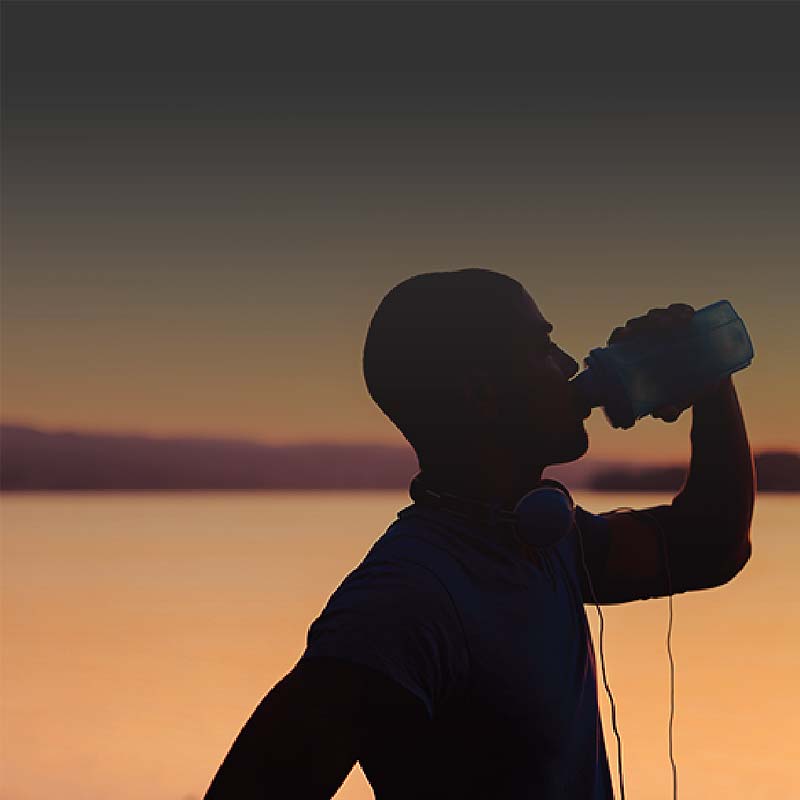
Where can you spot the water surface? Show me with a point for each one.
(140, 631)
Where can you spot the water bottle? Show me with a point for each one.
(633, 378)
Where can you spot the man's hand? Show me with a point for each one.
(660, 323)
(707, 524)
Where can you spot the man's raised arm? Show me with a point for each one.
(720, 489)
(707, 524)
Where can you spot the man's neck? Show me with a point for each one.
(499, 483)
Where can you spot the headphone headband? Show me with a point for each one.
(470, 509)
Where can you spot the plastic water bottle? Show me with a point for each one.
(633, 378)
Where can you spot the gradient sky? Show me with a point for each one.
(204, 203)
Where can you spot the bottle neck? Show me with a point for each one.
(589, 388)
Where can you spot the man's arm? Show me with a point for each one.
(304, 737)
(707, 524)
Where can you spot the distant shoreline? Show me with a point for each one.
(37, 461)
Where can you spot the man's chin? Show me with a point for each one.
(557, 447)
(570, 448)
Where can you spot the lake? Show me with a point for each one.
(139, 631)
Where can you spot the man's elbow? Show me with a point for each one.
(709, 548)
(734, 563)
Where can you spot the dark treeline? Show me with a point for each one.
(775, 472)
(38, 460)
(32, 459)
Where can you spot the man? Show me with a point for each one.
(449, 664)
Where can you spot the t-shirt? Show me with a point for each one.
(496, 647)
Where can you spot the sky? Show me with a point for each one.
(203, 203)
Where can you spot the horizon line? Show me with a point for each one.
(254, 440)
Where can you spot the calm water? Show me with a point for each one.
(139, 632)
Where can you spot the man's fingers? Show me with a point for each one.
(635, 326)
(657, 322)
(671, 412)
(617, 334)
(668, 413)
(681, 310)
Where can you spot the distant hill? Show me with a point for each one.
(778, 472)
(775, 472)
(638, 479)
(32, 459)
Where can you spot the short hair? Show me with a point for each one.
(426, 333)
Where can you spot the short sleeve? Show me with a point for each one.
(595, 542)
(399, 619)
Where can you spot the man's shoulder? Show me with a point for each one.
(412, 539)
(394, 613)
(402, 564)
(407, 559)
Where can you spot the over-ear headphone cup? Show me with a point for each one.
(544, 516)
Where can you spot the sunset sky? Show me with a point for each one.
(205, 203)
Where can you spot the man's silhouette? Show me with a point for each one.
(450, 663)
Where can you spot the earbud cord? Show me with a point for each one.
(669, 651)
(603, 665)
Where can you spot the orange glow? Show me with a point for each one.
(139, 634)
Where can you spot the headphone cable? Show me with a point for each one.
(669, 649)
(663, 540)
(603, 666)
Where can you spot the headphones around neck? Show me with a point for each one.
(541, 518)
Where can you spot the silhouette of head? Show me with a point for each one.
(462, 360)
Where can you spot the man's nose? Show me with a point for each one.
(568, 365)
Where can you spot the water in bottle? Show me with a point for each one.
(633, 378)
